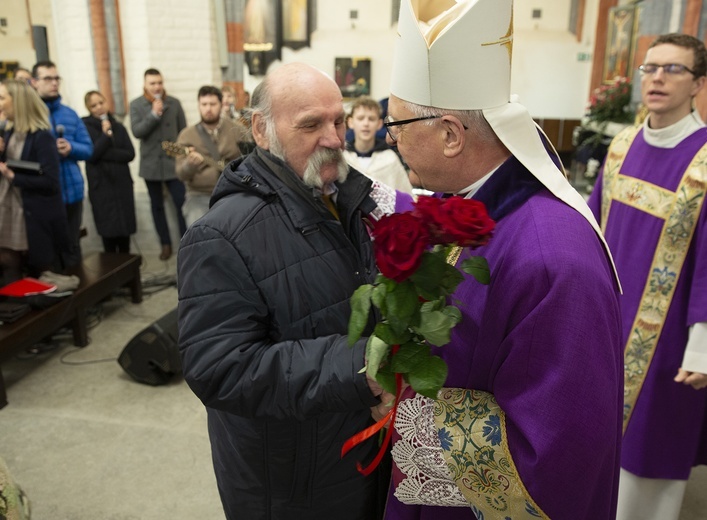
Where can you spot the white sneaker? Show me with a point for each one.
(63, 282)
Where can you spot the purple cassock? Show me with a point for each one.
(666, 433)
(542, 342)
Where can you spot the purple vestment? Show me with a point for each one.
(544, 339)
(667, 432)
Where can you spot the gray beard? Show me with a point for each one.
(312, 178)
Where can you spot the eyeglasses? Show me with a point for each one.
(49, 79)
(390, 125)
(672, 69)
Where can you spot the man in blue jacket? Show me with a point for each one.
(73, 143)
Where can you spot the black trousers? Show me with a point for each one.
(116, 244)
(74, 214)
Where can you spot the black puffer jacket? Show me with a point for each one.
(264, 285)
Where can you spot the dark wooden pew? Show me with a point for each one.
(100, 274)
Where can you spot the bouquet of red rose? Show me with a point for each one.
(416, 252)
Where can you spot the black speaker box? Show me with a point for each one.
(152, 356)
(41, 43)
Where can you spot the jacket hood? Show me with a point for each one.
(244, 174)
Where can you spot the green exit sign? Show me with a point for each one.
(584, 56)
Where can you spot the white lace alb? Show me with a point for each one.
(419, 456)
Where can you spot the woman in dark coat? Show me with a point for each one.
(110, 186)
(33, 214)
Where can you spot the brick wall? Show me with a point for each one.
(173, 38)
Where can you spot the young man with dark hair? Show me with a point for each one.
(210, 145)
(157, 117)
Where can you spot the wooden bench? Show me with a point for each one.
(100, 275)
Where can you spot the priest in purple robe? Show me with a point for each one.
(650, 202)
(528, 424)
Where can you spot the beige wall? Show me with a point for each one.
(16, 44)
(179, 38)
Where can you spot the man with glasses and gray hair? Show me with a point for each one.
(649, 199)
(73, 143)
(528, 423)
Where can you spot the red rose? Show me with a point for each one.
(399, 241)
(456, 220)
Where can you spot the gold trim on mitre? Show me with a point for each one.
(443, 57)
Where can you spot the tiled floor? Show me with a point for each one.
(89, 443)
(84, 439)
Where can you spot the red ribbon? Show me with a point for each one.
(372, 430)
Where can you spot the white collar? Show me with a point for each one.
(469, 191)
(671, 136)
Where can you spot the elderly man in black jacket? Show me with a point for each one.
(264, 285)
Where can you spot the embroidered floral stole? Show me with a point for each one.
(680, 211)
(453, 452)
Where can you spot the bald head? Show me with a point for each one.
(294, 79)
(298, 116)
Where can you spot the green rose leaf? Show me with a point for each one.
(428, 377)
(427, 277)
(478, 267)
(385, 332)
(386, 378)
(451, 278)
(386, 282)
(378, 297)
(453, 312)
(360, 309)
(402, 302)
(376, 351)
(398, 325)
(409, 356)
(436, 327)
(434, 305)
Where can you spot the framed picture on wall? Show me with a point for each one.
(620, 42)
(353, 75)
(296, 23)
